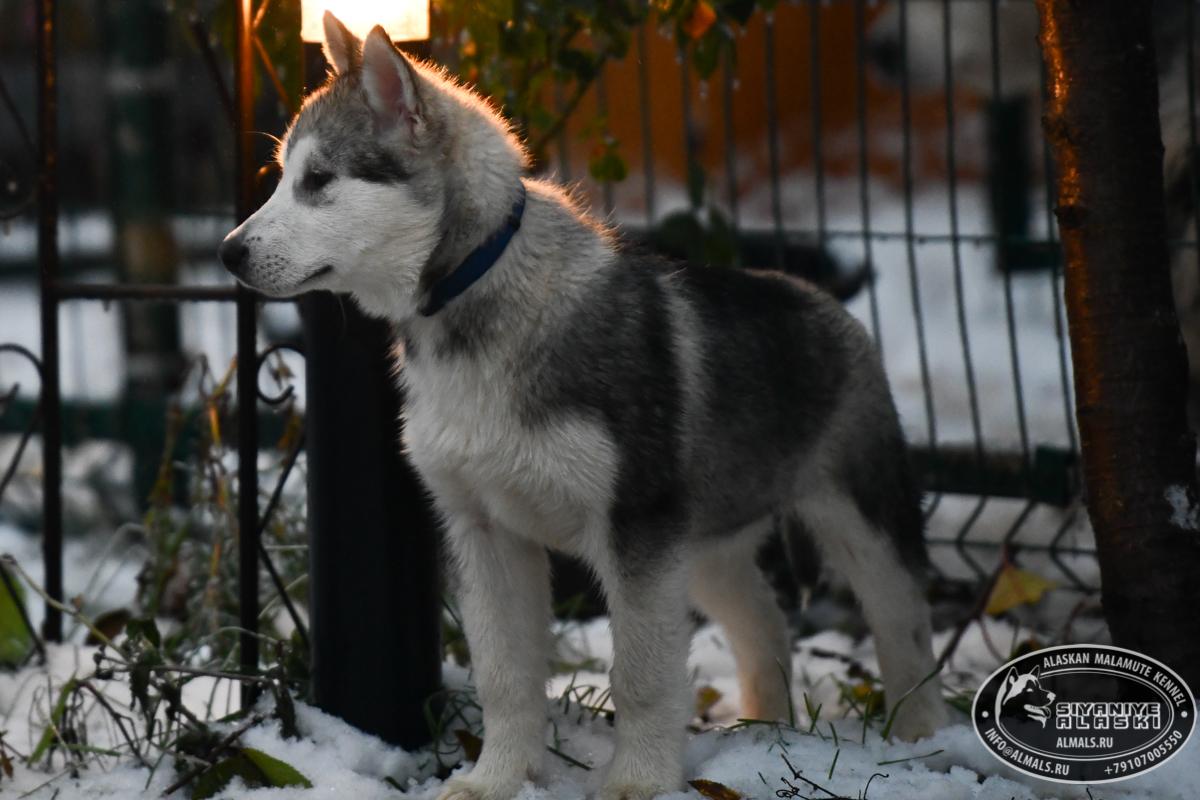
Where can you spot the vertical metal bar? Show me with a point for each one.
(1193, 188)
(814, 66)
(602, 107)
(864, 162)
(647, 133)
(960, 304)
(955, 246)
(1009, 312)
(247, 360)
(560, 141)
(909, 238)
(47, 109)
(773, 135)
(731, 179)
(685, 116)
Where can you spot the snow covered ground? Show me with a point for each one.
(837, 753)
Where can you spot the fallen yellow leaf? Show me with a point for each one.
(1015, 587)
(714, 790)
(706, 698)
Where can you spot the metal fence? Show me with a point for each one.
(987, 497)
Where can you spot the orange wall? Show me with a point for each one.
(839, 75)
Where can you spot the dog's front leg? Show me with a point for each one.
(504, 596)
(651, 633)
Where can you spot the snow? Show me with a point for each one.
(1184, 514)
(837, 753)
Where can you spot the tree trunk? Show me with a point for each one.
(1130, 370)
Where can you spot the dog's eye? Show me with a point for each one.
(315, 180)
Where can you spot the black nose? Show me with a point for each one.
(233, 254)
(886, 55)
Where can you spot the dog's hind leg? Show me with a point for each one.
(651, 632)
(728, 586)
(892, 601)
(504, 596)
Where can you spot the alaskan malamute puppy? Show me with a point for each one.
(564, 392)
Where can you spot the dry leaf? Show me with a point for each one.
(700, 21)
(471, 744)
(1015, 587)
(714, 790)
(706, 698)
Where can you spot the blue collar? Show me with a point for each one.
(475, 265)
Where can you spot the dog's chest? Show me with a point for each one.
(466, 435)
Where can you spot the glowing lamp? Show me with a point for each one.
(404, 20)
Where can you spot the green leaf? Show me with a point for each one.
(56, 716)
(279, 773)
(15, 639)
(254, 767)
(720, 242)
(706, 54)
(144, 628)
(739, 11)
(608, 166)
(579, 63)
(680, 235)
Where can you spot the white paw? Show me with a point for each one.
(467, 788)
(634, 791)
(919, 720)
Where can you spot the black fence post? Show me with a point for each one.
(47, 110)
(247, 363)
(374, 599)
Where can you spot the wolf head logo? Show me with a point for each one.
(1021, 697)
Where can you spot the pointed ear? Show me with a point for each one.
(390, 82)
(342, 48)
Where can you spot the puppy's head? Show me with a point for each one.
(367, 177)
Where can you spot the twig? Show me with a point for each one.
(273, 75)
(581, 88)
(7, 560)
(265, 557)
(117, 718)
(574, 762)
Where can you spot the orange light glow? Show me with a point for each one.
(404, 20)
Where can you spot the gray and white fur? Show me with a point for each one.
(648, 417)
